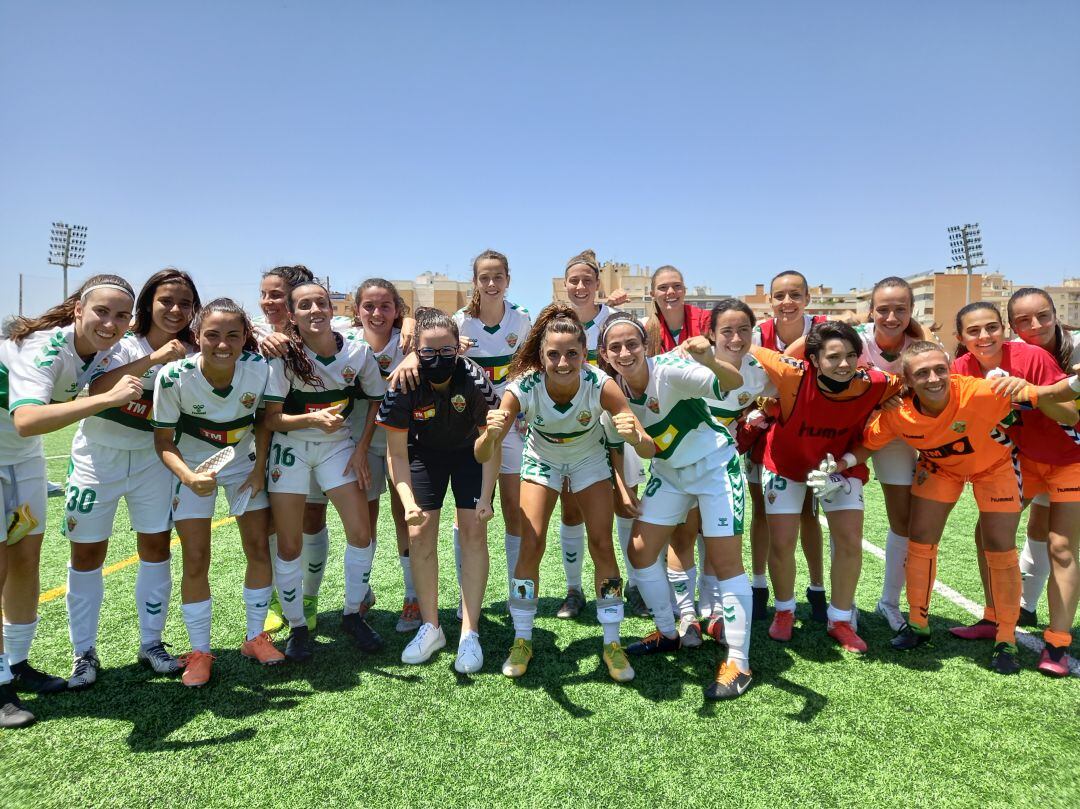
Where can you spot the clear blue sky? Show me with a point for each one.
(392, 138)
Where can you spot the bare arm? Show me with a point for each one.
(40, 419)
(626, 423)
(328, 419)
(397, 459)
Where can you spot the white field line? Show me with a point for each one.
(1023, 637)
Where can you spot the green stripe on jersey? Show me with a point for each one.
(492, 362)
(220, 434)
(3, 386)
(300, 402)
(681, 420)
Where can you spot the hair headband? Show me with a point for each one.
(86, 292)
(615, 321)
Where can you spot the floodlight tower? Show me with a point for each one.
(67, 248)
(965, 242)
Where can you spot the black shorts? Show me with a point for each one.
(433, 470)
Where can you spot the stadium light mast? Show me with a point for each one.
(965, 243)
(67, 248)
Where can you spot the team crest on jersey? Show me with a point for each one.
(771, 497)
(198, 409)
(348, 374)
(584, 417)
(653, 404)
(511, 339)
(539, 421)
(71, 523)
(384, 361)
(744, 399)
(458, 401)
(248, 400)
(921, 476)
(959, 426)
(275, 474)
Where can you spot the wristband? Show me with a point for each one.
(849, 460)
(1074, 383)
(1033, 395)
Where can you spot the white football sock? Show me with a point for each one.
(737, 603)
(838, 614)
(624, 527)
(1035, 570)
(895, 564)
(153, 589)
(572, 541)
(653, 587)
(316, 549)
(523, 610)
(290, 579)
(710, 596)
(760, 580)
(197, 620)
(17, 640)
(86, 591)
(406, 575)
(256, 605)
(357, 574)
(680, 581)
(784, 606)
(609, 612)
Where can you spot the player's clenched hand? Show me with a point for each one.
(626, 427)
(274, 345)
(127, 389)
(698, 348)
(172, 350)
(484, 511)
(497, 420)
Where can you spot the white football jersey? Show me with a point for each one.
(388, 358)
(207, 418)
(351, 373)
(494, 346)
(872, 355)
(730, 405)
(563, 433)
(42, 369)
(673, 411)
(126, 427)
(592, 331)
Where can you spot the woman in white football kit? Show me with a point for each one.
(562, 399)
(694, 465)
(44, 363)
(582, 281)
(381, 313)
(309, 402)
(203, 405)
(113, 457)
(731, 327)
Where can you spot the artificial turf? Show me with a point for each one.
(818, 727)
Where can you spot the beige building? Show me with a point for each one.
(1067, 301)
(427, 289)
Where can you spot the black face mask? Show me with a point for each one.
(437, 369)
(834, 386)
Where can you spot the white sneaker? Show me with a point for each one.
(427, 641)
(470, 657)
(84, 672)
(892, 614)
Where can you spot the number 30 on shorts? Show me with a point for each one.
(652, 487)
(81, 501)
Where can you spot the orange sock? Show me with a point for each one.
(921, 572)
(1055, 638)
(990, 614)
(1003, 568)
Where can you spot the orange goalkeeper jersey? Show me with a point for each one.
(966, 438)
